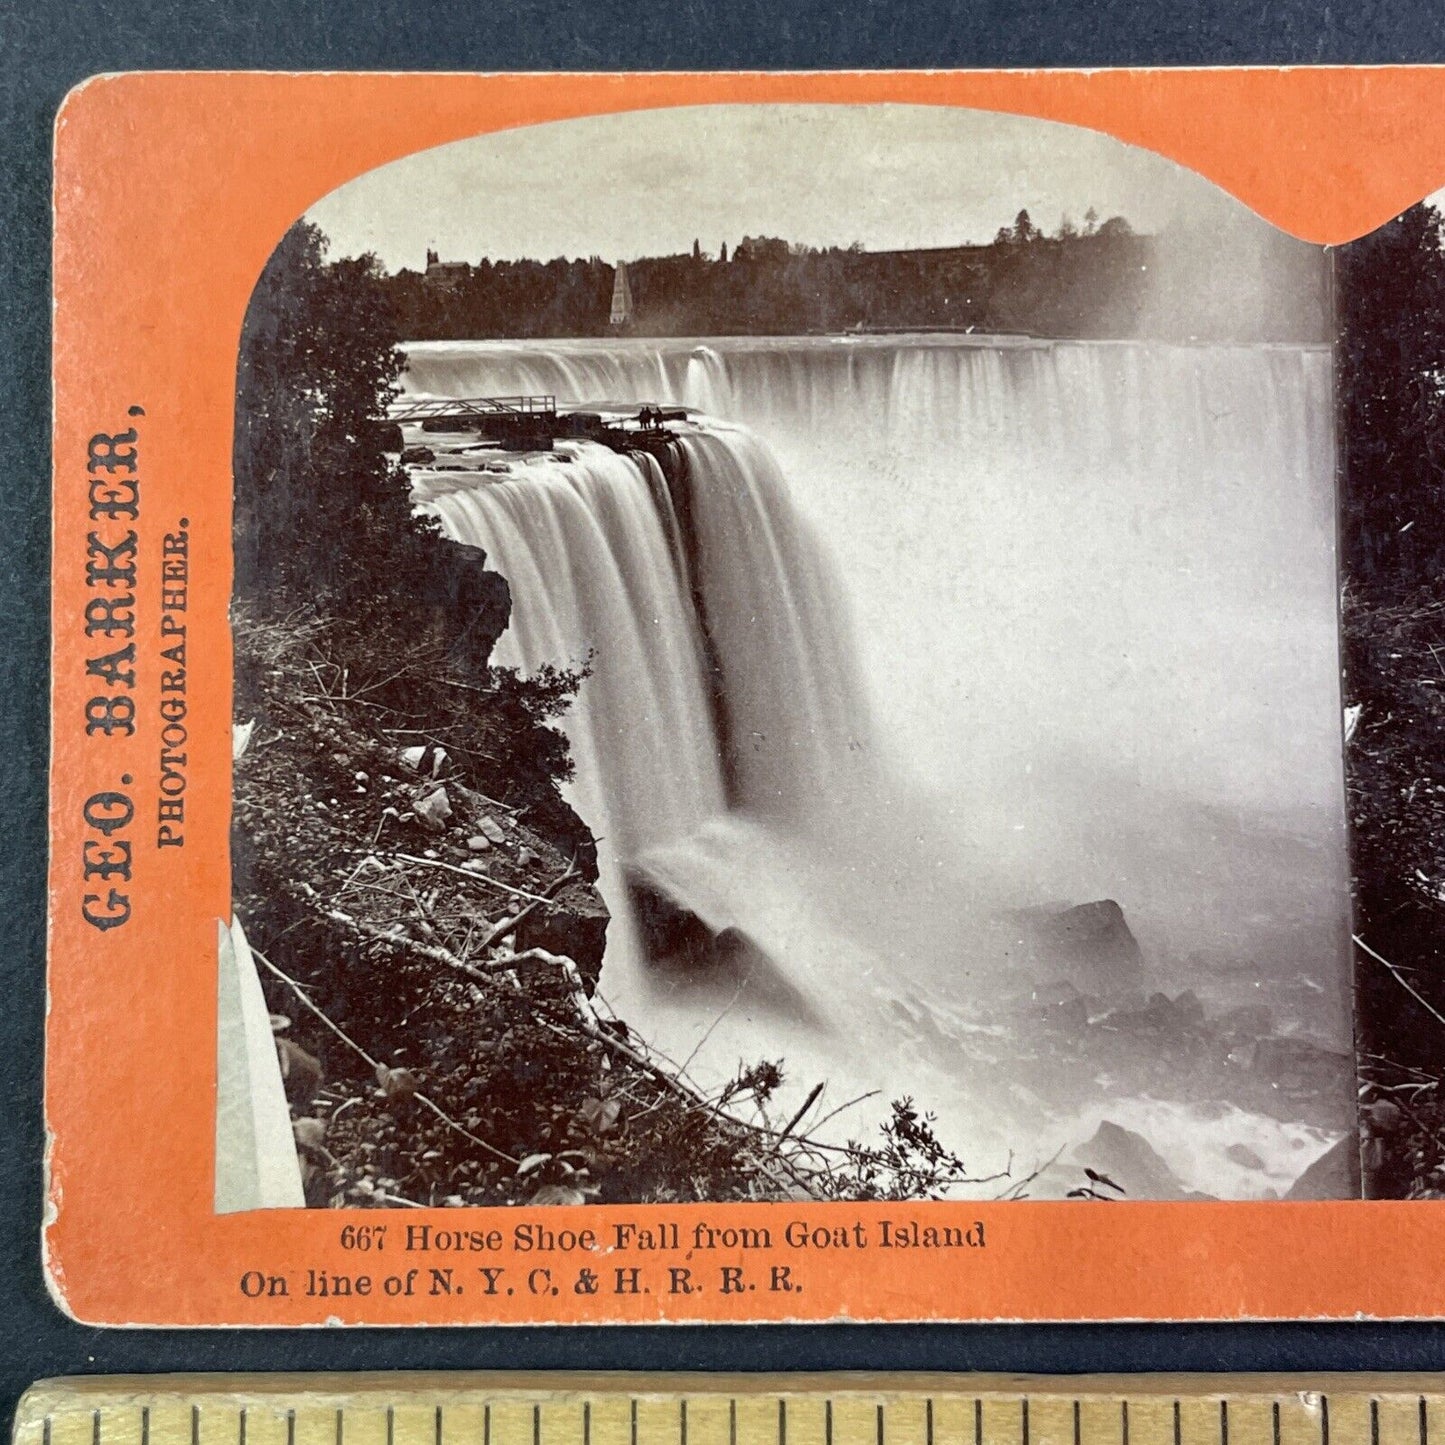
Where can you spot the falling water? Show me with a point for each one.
(980, 622)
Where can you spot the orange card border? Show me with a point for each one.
(170, 192)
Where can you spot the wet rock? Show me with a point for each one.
(1175, 1019)
(705, 956)
(1244, 1156)
(1062, 1006)
(1188, 1009)
(1300, 1066)
(1334, 1175)
(1131, 1162)
(417, 456)
(668, 930)
(1251, 1020)
(1091, 945)
(573, 924)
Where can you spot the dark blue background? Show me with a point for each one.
(44, 49)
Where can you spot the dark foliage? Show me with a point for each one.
(1391, 299)
(1391, 369)
(322, 511)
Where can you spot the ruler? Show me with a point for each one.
(622, 1409)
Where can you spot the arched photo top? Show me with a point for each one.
(907, 181)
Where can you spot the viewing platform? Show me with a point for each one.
(533, 423)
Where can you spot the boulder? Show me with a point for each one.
(1173, 1019)
(667, 929)
(1334, 1175)
(426, 758)
(1301, 1066)
(1132, 1163)
(434, 809)
(1252, 1020)
(417, 456)
(463, 586)
(573, 924)
(702, 955)
(1090, 945)
(1244, 1156)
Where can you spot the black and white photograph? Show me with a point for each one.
(793, 652)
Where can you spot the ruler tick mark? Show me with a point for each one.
(439, 1426)
(927, 1421)
(536, 1426)
(782, 1422)
(340, 1425)
(1024, 1420)
(290, 1429)
(634, 1422)
(880, 1425)
(682, 1421)
(828, 1423)
(1123, 1421)
(240, 1429)
(1324, 1420)
(1178, 1428)
(978, 1420)
(1224, 1422)
(145, 1425)
(1424, 1423)
(1374, 1422)
(732, 1422)
(1275, 1413)
(487, 1424)
(587, 1422)
(1076, 1422)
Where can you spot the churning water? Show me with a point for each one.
(931, 629)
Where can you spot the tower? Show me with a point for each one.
(621, 300)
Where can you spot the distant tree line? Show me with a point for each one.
(1089, 280)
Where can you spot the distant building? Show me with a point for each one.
(621, 300)
(448, 275)
(761, 248)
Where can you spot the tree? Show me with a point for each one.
(321, 509)
(1116, 227)
(1391, 359)
(696, 249)
(1091, 221)
(1067, 229)
(1024, 229)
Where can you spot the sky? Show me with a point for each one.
(648, 183)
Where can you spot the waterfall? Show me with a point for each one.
(605, 574)
(920, 626)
